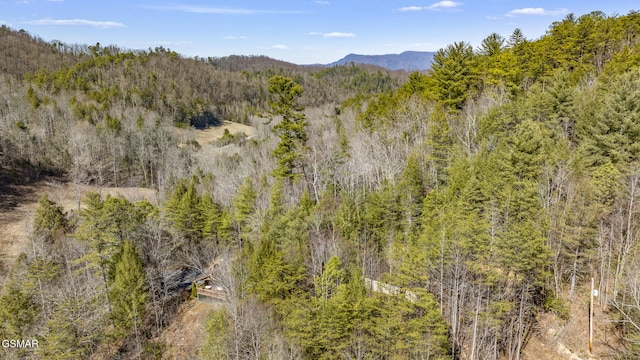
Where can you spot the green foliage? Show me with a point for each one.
(195, 216)
(216, 332)
(128, 290)
(440, 144)
(105, 224)
(500, 179)
(333, 275)
(492, 45)
(606, 180)
(554, 303)
(369, 225)
(356, 78)
(154, 350)
(272, 278)
(228, 138)
(49, 219)
(243, 206)
(379, 111)
(346, 321)
(64, 339)
(613, 134)
(453, 74)
(292, 127)
(18, 310)
(33, 98)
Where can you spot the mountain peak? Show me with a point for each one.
(408, 60)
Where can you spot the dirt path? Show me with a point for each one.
(17, 205)
(187, 332)
(558, 339)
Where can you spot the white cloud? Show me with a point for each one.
(280, 47)
(536, 11)
(233, 37)
(77, 22)
(443, 5)
(411, 8)
(333, 35)
(220, 11)
(322, 2)
(341, 35)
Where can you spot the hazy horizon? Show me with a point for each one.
(310, 32)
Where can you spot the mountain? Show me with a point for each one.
(408, 60)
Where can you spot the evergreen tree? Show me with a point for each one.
(128, 291)
(49, 219)
(492, 45)
(453, 74)
(243, 206)
(292, 127)
(194, 216)
(18, 311)
(332, 276)
(214, 346)
(64, 339)
(613, 133)
(271, 277)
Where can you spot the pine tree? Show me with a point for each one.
(64, 339)
(271, 277)
(18, 311)
(613, 133)
(49, 219)
(332, 276)
(128, 290)
(291, 129)
(243, 206)
(215, 342)
(453, 74)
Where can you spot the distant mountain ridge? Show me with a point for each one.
(408, 60)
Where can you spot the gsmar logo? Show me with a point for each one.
(19, 343)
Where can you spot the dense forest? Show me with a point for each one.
(483, 194)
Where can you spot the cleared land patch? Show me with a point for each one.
(210, 135)
(186, 333)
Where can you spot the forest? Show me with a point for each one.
(483, 194)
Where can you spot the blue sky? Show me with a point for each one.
(303, 32)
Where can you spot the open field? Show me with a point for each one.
(210, 135)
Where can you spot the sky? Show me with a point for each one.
(302, 31)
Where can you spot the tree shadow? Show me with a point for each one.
(15, 181)
(205, 120)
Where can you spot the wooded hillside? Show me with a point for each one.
(485, 193)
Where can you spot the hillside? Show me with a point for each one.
(333, 212)
(408, 60)
(133, 101)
